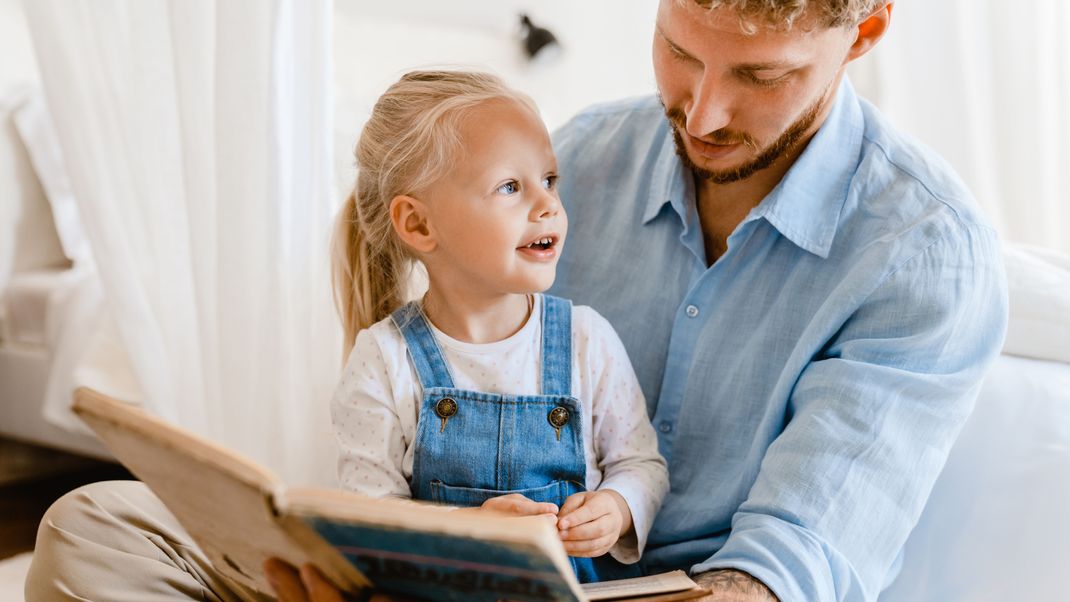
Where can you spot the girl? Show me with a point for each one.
(484, 393)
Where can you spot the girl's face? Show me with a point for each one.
(496, 217)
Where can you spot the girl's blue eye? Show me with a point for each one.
(510, 187)
(549, 182)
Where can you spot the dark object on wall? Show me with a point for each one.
(535, 39)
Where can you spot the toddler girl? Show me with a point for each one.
(484, 392)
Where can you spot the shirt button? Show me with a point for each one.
(665, 427)
(692, 311)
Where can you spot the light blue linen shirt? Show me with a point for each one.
(806, 387)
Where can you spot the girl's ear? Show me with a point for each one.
(411, 222)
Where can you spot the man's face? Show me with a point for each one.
(739, 102)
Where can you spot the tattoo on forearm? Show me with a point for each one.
(731, 581)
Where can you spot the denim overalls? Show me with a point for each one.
(471, 445)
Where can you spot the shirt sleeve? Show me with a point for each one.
(366, 426)
(871, 421)
(624, 439)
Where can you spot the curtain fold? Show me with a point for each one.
(197, 137)
(987, 84)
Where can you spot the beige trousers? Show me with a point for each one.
(115, 541)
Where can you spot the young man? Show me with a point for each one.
(809, 299)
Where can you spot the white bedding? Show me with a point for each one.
(31, 311)
(996, 527)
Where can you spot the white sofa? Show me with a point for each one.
(996, 527)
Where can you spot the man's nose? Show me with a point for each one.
(710, 108)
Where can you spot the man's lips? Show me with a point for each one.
(710, 150)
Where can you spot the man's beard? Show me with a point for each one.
(766, 157)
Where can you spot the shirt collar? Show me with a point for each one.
(672, 182)
(805, 206)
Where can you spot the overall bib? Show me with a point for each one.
(473, 445)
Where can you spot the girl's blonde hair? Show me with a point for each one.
(407, 144)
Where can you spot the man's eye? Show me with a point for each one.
(762, 79)
(510, 187)
(678, 54)
(549, 182)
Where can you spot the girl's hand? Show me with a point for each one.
(515, 504)
(592, 521)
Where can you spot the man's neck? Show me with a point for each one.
(721, 207)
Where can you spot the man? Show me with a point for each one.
(808, 297)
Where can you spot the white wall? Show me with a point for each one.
(605, 53)
(18, 65)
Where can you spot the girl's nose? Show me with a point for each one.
(547, 204)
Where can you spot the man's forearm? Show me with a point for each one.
(729, 585)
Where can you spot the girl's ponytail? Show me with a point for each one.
(367, 278)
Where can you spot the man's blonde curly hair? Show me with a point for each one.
(784, 14)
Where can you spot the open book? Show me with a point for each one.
(241, 514)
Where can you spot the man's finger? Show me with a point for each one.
(285, 580)
(318, 587)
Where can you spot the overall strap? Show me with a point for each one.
(556, 346)
(424, 350)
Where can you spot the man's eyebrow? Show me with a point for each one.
(675, 46)
(760, 66)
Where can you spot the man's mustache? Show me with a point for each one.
(721, 136)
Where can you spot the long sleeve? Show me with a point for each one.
(624, 439)
(871, 421)
(370, 435)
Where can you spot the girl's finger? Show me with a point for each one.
(584, 514)
(515, 503)
(572, 502)
(600, 527)
(590, 547)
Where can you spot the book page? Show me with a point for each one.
(674, 581)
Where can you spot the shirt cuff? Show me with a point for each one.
(629, 548)
(790, 560)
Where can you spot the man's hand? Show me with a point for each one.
(590, 522)
(306, 585)
(309, 585)
(729, 585)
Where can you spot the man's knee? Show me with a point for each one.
(76, 510)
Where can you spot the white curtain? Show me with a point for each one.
(987, 84)
(197, 138)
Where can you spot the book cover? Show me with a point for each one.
(241, 514)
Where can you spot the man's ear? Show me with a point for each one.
(410, 219)
(870, 31)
